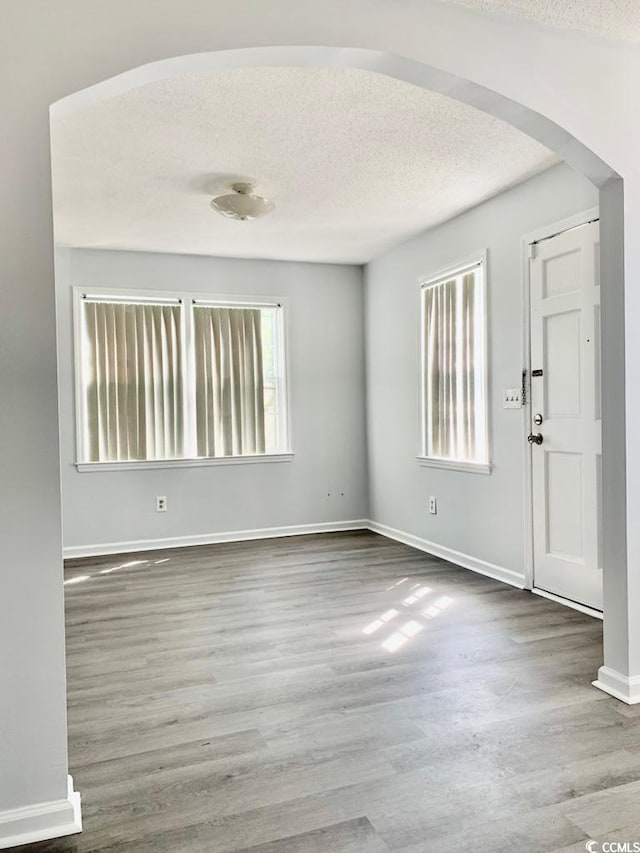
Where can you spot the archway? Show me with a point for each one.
(542, 129)
(617, 647)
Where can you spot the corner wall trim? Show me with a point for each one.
(75, 551)
(490, 570)
(621, 686)
(42, 821)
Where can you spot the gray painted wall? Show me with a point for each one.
(326, 375)
(478, 515)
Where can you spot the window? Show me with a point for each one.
(454, 380)
(178, 378)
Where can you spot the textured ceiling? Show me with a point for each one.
(354, 161)
(618, 19)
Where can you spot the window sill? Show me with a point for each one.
(93, 467)
(455, 465)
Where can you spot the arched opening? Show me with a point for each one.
(537, 126)
(573, 152)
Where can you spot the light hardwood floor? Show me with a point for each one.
(227, 698)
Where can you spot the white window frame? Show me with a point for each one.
(187, 298)
(477, 259)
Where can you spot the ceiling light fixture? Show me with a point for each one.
(242, 203)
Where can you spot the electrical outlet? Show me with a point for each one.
(433, 505)
(161, 503)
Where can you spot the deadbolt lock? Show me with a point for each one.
(537, 419)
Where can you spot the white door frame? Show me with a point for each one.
(543, 233)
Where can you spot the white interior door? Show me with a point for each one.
(565, 415)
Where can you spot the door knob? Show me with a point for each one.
(535, 438)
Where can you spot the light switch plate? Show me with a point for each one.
(511, 398)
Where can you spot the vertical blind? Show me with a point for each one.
(132, 376)
(229, 381)
(451, 385)
(169, 378)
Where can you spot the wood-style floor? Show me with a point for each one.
(229, 698)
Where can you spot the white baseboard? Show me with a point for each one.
(465, 560)
(621, 686)
(41, 822)
(73, 551)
